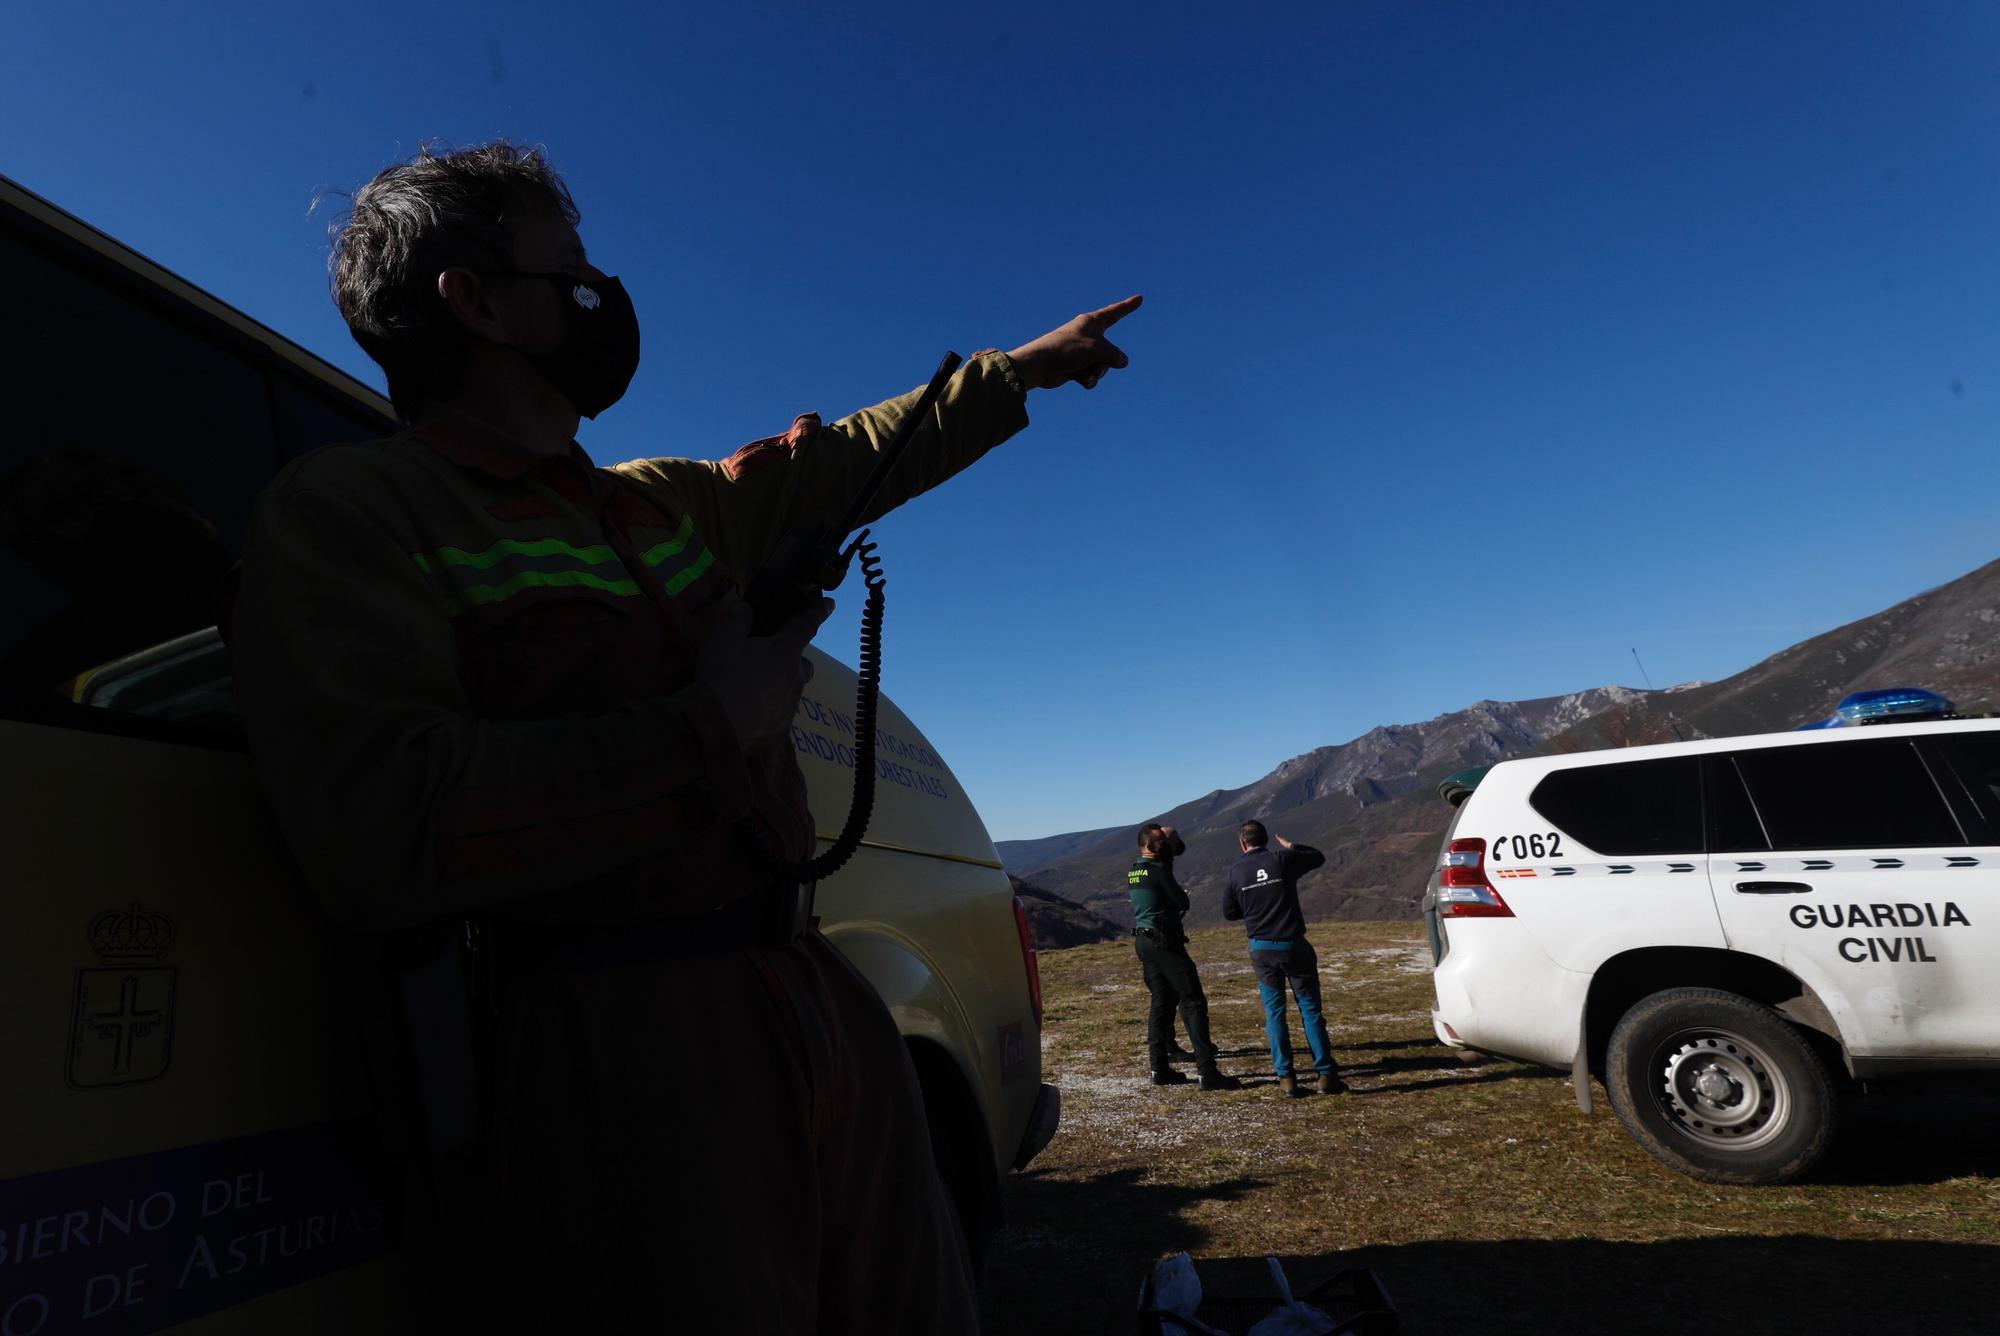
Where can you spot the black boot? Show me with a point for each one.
(1168, 1076)
(1214, 1078)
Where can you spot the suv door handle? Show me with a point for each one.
(1771, 887)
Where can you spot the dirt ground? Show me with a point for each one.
(1480, 1196)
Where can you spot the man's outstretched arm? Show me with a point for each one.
(744, 504)
(1077, 350)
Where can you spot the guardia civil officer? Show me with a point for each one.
(484, 679)
(1158, 902)
(1263, 891)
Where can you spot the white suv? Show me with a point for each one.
(1717, 929)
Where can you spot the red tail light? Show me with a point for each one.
(1464, 891)
(1028, 956)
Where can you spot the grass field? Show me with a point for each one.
(1479, 1194)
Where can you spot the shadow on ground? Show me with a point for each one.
(1391, 1075)
(1916, 1135)
(1746, 1285)
(1071, 1256)
(1074, 1252)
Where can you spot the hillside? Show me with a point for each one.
(1370, 803)
(1058, 922)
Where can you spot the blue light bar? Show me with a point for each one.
(1872, 707)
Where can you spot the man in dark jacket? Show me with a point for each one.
(1263, 891)
(487, 681)
(1171, 977)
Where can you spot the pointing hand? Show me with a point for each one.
(1075, 351)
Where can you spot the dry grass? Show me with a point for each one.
(1482, 1197)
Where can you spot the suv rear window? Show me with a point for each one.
(1847, 795)
(1977, 757)
(1628, 807)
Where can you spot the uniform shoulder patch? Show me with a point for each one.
(771, 449)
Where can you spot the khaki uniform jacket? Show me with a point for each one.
(468, 675)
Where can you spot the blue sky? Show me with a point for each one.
(1483, 342)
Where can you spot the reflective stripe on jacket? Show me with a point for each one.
(468, 675)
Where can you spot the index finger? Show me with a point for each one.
(1112, 314)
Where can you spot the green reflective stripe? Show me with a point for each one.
(596, 555)
(682, 579)
(476, 595)
(654, 556)
(511, 566)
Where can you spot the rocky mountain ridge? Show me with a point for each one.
(1371, 805)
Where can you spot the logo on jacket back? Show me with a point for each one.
(1262, 875)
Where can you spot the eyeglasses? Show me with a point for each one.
(555, 276)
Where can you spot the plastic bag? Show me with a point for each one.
(1290, 1317)
(1175, 1288)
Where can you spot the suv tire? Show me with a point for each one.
(1721, 1088)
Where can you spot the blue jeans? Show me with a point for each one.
(1295, 963)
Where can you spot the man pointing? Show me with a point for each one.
(489, 684)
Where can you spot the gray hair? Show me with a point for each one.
(415, 220)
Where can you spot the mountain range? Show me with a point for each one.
(1371, 804)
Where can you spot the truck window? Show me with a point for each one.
(1628, 807)
(127, 466)
(143, 430)
(1847, 795)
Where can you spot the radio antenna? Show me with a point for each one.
(1672, 722)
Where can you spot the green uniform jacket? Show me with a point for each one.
(1157, 899)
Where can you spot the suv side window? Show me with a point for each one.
(1847, 795)
(1976, 758)
(1733, 823)
(1628, 807)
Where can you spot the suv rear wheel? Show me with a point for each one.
(1719, 1087)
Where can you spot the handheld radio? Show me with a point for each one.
(808, 562)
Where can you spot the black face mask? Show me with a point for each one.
(599, 352)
